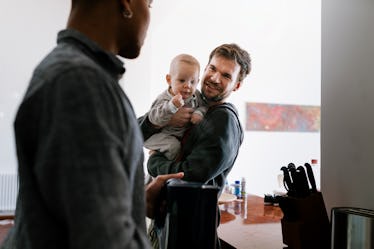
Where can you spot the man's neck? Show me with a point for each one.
(213, 101)
(93, 26)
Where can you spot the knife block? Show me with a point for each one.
(305, 224)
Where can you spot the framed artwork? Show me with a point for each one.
(278, 117)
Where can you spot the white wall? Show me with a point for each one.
(347, 103)
(28, 32)
(283, 38)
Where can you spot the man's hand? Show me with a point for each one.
(152, 192)
(181, 117)
(196, 118)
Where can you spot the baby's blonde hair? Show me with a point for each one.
(186, 58)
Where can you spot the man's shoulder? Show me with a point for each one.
(221, 115)
(225, 118)
(63, 58)
(228, 108)
(63, 64)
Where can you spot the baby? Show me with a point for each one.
(183, 78)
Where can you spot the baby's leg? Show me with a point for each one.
(167, 144)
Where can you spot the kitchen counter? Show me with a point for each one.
(248, 223)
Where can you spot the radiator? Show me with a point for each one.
(8, 192)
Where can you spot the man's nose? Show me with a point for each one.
(216, 77)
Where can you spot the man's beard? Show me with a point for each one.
(219, 97)
(216, 98)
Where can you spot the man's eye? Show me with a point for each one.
(212, 68)
(227, 76)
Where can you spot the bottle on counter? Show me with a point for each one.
(227, 188)
(237, 189)
(243, 188)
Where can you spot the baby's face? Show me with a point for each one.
(184, 80)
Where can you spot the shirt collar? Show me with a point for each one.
(107, 60)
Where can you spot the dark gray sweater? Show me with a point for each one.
(80, 155)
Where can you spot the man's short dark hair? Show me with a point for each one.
(234, 52)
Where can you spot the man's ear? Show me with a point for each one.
(237, 86)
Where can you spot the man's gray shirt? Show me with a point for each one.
(80, 154)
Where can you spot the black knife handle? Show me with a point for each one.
(294, 178)
(296, 181)
(291, 166)
(303, 181)
(287, 181)
(293, 173)
(311, 178)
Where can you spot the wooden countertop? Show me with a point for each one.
(251, 210)
(242, 218)
(6, 222)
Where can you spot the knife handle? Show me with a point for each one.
(303, 182)
(311, 178)
(293, 173)
(287, 182)
(295, 179)
(291, 166)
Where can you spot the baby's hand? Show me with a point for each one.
(178, 100)
(196, 118)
